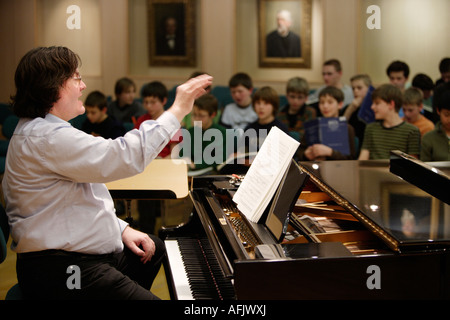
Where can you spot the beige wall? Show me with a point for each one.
(112, 40)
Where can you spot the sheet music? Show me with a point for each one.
(265, 173)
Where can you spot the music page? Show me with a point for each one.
(265, 173)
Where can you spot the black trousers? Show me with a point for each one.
(56, 274)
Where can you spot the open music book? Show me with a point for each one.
(265, 173)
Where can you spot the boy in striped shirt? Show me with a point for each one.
(389, 131)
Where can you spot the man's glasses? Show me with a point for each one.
(77, 77)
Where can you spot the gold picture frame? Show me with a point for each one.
(293, 50)
(177, 18)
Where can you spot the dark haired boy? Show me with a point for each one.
(389, 131)
(97, 122)
(154, 97)
(265, 102)
(398, 73)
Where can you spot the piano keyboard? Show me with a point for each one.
(195, 271)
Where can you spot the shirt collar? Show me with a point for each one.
(54, 119)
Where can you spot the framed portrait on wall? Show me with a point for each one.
(284, 31)
(171, 30)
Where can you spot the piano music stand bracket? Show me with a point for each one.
(161, 179)
(277, 214)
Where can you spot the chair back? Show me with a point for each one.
(9, 125)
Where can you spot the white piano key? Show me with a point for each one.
(180, 279)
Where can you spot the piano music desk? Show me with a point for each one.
(161, 179)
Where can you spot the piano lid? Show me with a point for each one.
(403, 215)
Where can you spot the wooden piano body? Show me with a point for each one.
(357, 231)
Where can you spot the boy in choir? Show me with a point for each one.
(154, 97)
(332, 76)
(444, 70)
(265, 103)
(398, 73)
(97, 122)
(296, 112)
(125, 108)
(211, 152)
(436, 143)
(360, 85)
(412, 108)
(426, 85)
(389, 131)
(331, 100)
(239, 114)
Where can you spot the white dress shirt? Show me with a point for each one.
(54, 182)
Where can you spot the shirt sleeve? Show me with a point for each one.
(84, 158)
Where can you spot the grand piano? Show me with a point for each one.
(355, 230)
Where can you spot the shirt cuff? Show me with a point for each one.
(122, 225)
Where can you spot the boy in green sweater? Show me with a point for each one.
(207, 139)
(389, 131)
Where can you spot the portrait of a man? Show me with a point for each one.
(172, 32)
(284, 33)
(170, 38)
(283, 42)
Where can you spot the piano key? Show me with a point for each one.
(200, 270)
(183, 290)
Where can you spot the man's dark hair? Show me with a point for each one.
(40, 75)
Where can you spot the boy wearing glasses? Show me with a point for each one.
(209, 152)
